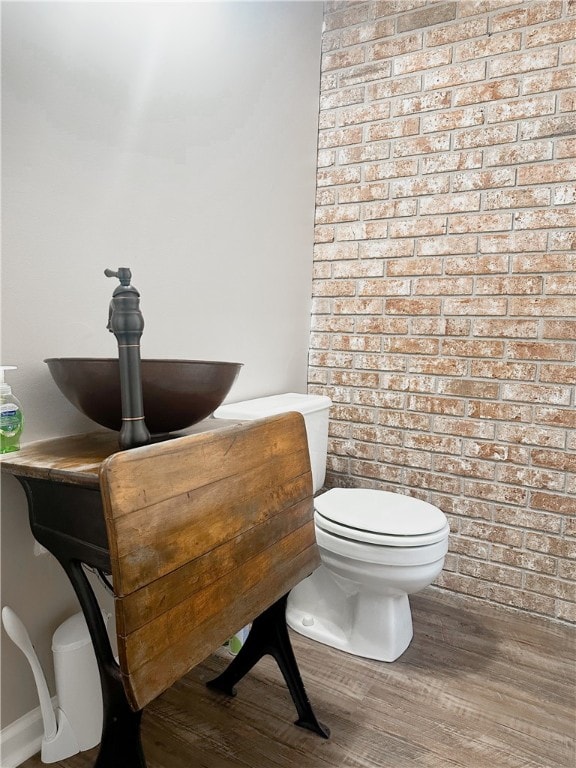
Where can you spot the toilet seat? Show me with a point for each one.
(379, 517)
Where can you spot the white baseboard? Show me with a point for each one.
(22, 738)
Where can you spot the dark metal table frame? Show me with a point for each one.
(68, 520)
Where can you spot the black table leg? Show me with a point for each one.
(121, 746)
(269, 635)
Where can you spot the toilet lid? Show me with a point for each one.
(379, 512)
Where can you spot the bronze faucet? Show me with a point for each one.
(125, 321)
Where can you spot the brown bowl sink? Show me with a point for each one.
(176, 393)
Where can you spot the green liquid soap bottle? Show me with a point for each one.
(11, 417)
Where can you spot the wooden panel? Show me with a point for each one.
(208, 568)
(205, 533)
(76, 459)
(189, 649)
(215, 457)
(231, 507)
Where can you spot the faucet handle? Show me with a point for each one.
(123, 274)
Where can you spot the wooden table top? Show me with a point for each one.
(76, 459)
(205, 533)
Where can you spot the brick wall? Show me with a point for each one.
(444, 311)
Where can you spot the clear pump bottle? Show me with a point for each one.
(11, 417)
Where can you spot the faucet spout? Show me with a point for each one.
(126, 322)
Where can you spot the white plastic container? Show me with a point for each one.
(78, 681)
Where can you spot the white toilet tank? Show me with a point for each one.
(314, 408)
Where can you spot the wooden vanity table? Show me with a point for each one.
(202, 533)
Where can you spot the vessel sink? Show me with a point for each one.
(176, 393)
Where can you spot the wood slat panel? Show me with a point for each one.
(74, 460)
(150, 679)
(216, 455)
(232, 506)
(223, 595)
(148, 601)
(205, 533)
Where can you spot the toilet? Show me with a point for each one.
(376, 548)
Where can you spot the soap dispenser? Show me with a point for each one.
(11, 417)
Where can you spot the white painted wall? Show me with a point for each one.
(178, 139)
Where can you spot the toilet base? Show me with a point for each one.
(364, 623)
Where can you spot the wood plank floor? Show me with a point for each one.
(479, 687)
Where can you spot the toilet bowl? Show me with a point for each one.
(376, 548)
(372, 559)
